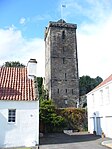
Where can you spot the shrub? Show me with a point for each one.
(56, 120)
(49, 118)
(76, 119)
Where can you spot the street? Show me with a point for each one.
(71, 141)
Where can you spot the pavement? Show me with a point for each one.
(107, 143)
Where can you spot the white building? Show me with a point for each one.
(19, 106)
(99, 103)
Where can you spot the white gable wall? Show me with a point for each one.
(99, 104)
(25, 131)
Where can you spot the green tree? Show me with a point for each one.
(86, 84)
(13, 64)
(98, 80)
(49, 117)
(40, 85)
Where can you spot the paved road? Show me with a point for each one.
(71, 141)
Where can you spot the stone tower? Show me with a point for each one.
(61, 64)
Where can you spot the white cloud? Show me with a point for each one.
(94, 34)
(37, 18)
(22, 21)
(94, 50)
(14, 47)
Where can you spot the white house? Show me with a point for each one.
(19, 106)
(99, 103)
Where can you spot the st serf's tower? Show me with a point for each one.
(61, 64)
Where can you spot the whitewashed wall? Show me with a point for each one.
(99, 103)
(25, 131)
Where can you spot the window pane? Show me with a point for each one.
(11, 115)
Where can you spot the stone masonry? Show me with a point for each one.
(61, 64)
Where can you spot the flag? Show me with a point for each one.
(64, 6)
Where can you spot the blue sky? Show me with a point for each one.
(34, 15)
(22, 25)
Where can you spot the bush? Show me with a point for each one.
(56, 120)
(76, 119)
(51, 121)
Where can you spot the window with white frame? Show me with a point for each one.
(11, 115)
(93, 99)
(107, 101)
(101, 97)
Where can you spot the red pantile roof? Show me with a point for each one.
(105, 81)
(15, 85)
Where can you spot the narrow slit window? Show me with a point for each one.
(58, 90)
(66, 91)
(63, 60)
(11, 115)
(63, 50)
(72, 91)
(65, 76)
(63, 34)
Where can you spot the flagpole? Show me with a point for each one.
(62, 6)
(61, 12)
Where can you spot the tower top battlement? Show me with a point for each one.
(60, 24)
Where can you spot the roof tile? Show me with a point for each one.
(15, 85)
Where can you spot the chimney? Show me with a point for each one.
(32, 68)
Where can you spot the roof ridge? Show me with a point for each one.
(107, 80)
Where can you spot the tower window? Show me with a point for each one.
(63, 50)
(65, 76)
(72, 91)
(63, 60)
(63, 34)
(66, 101)
(58, 90)
(66, 91)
